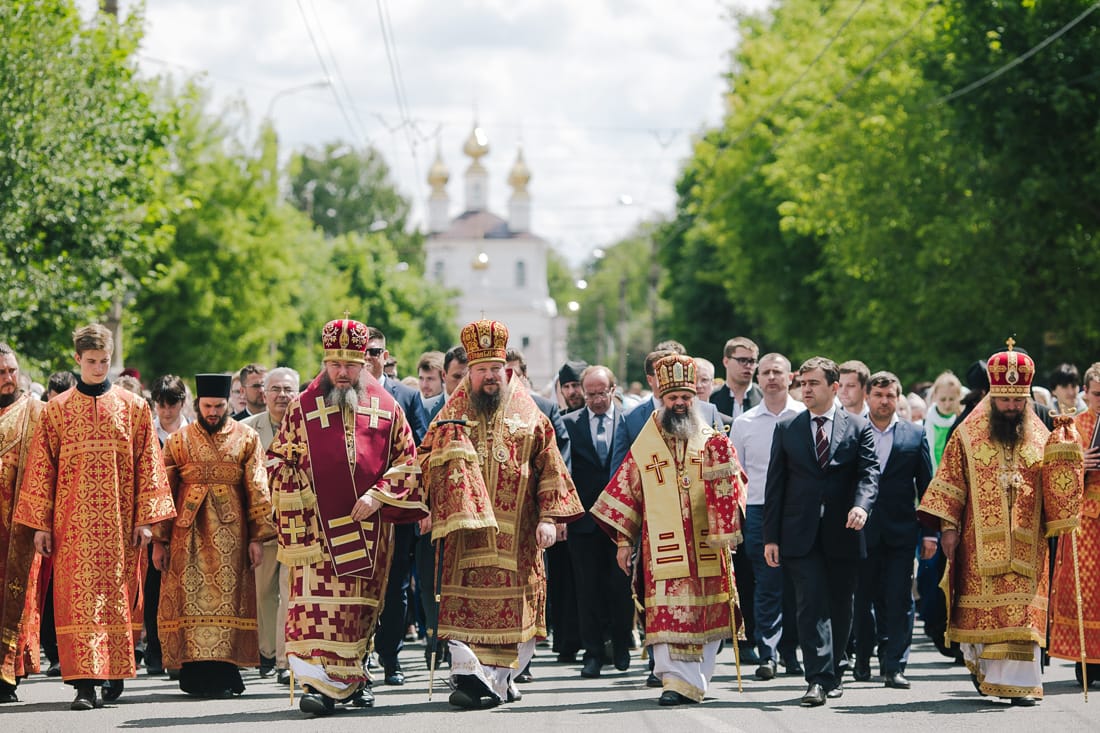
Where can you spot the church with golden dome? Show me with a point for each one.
(497, 266)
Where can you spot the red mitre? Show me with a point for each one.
(485, 340)
(1010, 373)
(344, 340)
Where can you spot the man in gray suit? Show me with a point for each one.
(272, 578)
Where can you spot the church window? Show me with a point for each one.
(437, 271)
(521, 274)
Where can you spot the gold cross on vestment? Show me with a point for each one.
(294, 529)
(514, 423)
(698, 461)
(656, 467)
(374, 411)
(455, 475)
(322, 412)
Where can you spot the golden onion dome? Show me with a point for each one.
(520, 174)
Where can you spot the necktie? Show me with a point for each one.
(821, 442)
(601, 438)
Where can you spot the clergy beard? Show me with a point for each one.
(211, 429)
(8, 399)
(681, 425)
(1005, 428)
(485, 403)
(342, 397)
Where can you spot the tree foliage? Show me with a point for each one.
(81, 159)
(848, 206)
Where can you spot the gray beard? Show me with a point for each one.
(682, 427)
(484, 403)
(342, 397)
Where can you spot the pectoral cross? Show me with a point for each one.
(322, 412)
(294, 529)
(374, 411)
(656, 467)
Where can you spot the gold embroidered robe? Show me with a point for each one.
(94, 472)
(331, 617)
(208, 594)
(995, 498)
(489, 487)
(20, 565)
(1065, 641)
(687, 595)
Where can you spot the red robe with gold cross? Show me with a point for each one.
(490, 485)
(94, 472)
(20, 565)
(1065, 640)
(683, 499)
(323, 459)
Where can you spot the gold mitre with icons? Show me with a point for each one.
(1010, 372)
(344, 340)
(675, 372)
(485, 340)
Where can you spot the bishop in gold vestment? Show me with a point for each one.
(497, 487)
(207, 616)
(1001, 489)
(680, 489)
(94, 482)
(20, 565)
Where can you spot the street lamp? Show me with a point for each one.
(318, 84)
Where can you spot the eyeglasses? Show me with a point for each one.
(375, 351)
(744, 360)
(598, 395)
(281, 390)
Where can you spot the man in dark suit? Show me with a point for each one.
(891, 533)
(389, 639)
(603, 591)
(822, 482)
(252, 388)
(740, 393)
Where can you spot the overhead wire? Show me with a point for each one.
(328, 75)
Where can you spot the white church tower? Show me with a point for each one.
(497, 267)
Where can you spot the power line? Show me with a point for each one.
(396, 78)
(340, 79)
(325, 69)
(1018, 60)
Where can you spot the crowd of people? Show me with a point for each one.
(807, 516)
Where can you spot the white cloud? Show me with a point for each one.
(604, 94)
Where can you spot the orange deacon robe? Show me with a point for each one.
(94, 472)
(1065, 640)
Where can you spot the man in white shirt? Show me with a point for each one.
(752, 437)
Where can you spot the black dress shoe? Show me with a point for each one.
(525, 675)
(514, 695)
(862, 669)
(766, 670)
(1027, 701)
(282, 676)
(896, 680)
(112, 690)
(791, 666)
(747, 653)
(622, 660)
(395, 677)
(316, 704)
(836, 692)
(267, 666)
(85, 698)
(591, 668)
(814, 697)
(567, 658)
(363, 698)
(671, 697)
(54, 669)
(7, 693)
(653, 681)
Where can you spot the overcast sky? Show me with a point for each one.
(604, 95)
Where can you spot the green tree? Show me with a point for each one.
(82, 154)
(345, 190)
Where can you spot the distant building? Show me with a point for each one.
(498, 266)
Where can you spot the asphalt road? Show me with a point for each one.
(941, 700)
